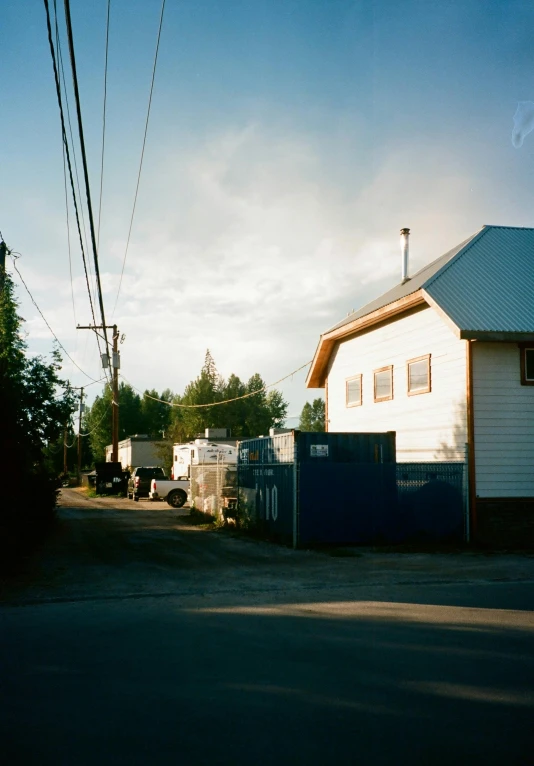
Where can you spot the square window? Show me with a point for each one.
(527, 365)
(419, 375)
(354, 391)
(383, 384)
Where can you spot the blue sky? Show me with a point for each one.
(288, 144)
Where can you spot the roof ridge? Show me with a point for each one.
(469, 243)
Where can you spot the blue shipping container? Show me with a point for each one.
(304, 488)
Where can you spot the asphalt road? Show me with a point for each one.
(137, 638)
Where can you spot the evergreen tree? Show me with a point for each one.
(97, 420)
(36, 406)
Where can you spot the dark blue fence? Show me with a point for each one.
(432, 501)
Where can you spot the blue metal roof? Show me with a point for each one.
(484, 285)
(489, 285)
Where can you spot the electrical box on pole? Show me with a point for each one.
(114, 359)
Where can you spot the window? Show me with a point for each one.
(418, 375)
(383, 387)
(354, 391)
(527, 365)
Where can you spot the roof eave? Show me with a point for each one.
(497, 336)
(317, 374)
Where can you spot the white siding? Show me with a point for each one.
(504, 423)
(430, 426)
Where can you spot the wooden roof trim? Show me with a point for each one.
(446, 318)
(317, 374)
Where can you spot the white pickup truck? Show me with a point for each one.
(174, 491)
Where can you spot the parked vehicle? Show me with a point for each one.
(200, 452)
(174, 491)
(110, 479)
(139, 481)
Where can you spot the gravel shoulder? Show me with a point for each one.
(107, 548)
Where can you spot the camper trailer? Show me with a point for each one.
(200, 452)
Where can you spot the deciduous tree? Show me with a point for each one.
(312, 417)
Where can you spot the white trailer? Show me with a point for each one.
(200, 452)
(138, 450)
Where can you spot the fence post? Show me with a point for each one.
(467, 509)
(295, 494)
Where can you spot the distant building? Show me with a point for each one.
(138, 450)
(446, 359)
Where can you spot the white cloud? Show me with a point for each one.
(246, 246)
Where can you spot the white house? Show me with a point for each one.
(446, 359)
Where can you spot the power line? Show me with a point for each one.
(106, 412)
(103, 126)
(84, 162)
(216, 404)
(68, 234)
(66, 149)
(46, 321)
(62, 69)
(142, 155)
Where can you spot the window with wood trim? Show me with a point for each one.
(353, 387)
(418, 375)
(527, 365)
(383, 384)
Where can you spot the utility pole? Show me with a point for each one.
(80, 437)
(3, 251)
(115, 362)
(65, 466)
(115, 407)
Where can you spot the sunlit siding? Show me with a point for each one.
(504, 422)
(429, 426)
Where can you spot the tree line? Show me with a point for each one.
(142, 414)
(36, 404)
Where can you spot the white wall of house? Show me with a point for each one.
(430, 426)
(504, 422)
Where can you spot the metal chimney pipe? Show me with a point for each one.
(405, 253)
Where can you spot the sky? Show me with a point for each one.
(288, 142)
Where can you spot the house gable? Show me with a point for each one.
(432, 424)
(483, 289)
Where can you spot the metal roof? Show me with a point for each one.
(485, 284)
(489, 286)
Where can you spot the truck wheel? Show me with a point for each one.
(176, 498)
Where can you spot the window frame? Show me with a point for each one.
(428, 389)
(388, 367)
(523, 348)
(347, 381)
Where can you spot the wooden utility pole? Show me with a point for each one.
(115, 407)
(80, 437)
(65, 466)
(3, 251)
(115, 363)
